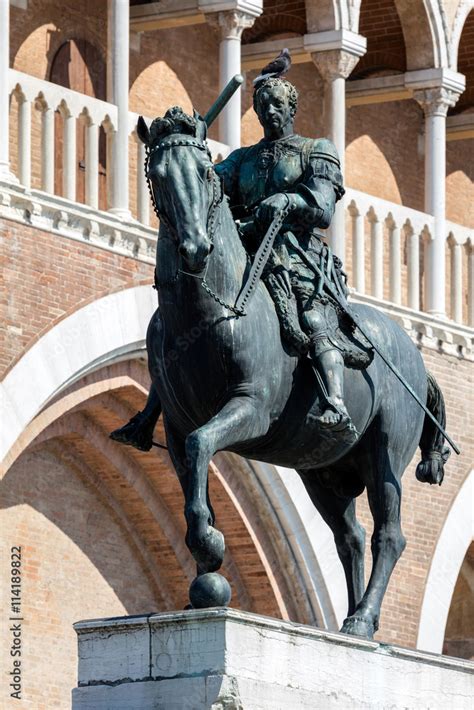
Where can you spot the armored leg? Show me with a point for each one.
(330, 367)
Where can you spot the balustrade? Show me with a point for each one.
(400, 231)
(383, 252)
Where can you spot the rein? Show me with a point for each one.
(262, 253)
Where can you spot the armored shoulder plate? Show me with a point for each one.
(324, 148)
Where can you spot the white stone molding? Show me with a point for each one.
(342, 40)
(77, 221)
(438, 334)
(454, 540)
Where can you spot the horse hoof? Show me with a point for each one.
(209, 550)
(358, 626)
(210, 589)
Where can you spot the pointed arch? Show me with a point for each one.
(454, 540)
(465, 7)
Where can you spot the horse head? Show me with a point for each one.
(183, 181)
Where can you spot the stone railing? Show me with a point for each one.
(65, 130)
(385, 257)
(48, 99)
(385, 242)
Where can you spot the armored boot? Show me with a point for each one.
(138, 432)
(329, 369)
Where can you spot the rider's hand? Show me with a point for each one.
(283, 280)
(269, 208)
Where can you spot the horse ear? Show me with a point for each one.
(142, 130)
(201, 126)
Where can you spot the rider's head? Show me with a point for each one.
(275, 102)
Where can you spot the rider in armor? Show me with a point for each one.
(285, 171)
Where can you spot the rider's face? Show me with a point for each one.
(273, 110)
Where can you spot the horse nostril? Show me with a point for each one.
(182, 250)
(211, 248)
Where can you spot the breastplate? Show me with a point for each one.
(269, 167)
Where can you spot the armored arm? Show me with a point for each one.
(315, 198)
(227, 170)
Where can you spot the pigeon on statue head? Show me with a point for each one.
(276, 68)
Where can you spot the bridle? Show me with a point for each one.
(215, 201)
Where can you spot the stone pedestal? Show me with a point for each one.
(229, 660)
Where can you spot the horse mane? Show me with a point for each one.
(175, 120)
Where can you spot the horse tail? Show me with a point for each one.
(433, 452)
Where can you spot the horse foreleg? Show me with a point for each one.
(339, 514)
(388, 543)
(237, 421)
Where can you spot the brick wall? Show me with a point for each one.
(466, 64)
(47, 277)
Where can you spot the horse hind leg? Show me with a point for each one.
(339, 513)
(388, 542)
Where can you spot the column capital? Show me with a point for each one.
(334, 63)
(230, 23)
(436, 101)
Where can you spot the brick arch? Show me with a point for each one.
(455, 538)
(424, 32)
(385, 47)
(465, 62)
(326, 15)
(171, 91)
(35, 43)
(144, 489)
(99, 332)
(381, 179)
(464, 10)
(278, 18)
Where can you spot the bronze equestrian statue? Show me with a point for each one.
(283, 375)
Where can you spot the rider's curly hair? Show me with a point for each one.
(277, 81)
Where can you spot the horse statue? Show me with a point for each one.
(237, 387)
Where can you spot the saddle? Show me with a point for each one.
(342, 332)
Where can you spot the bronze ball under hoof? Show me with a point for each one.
(209, 589)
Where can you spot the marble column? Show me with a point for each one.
(334, 66)
(435, 103)
(117, 93)
(5, 173)
(230, 25)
